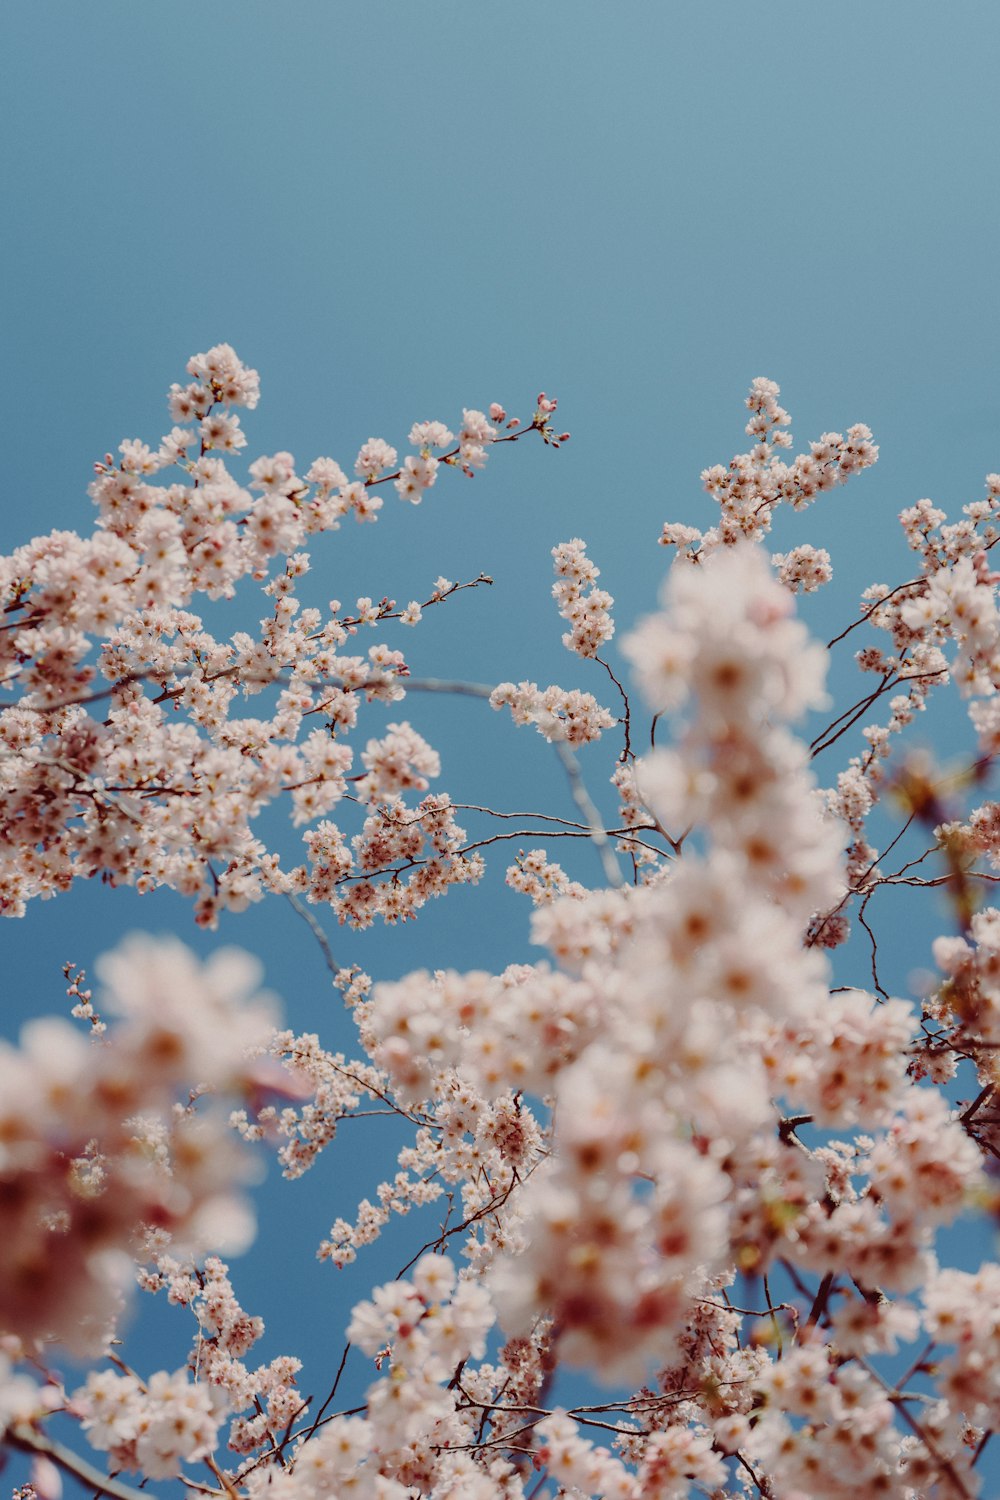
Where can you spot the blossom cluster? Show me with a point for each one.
(580, 601)
(152, 1427)
(163, 783)
(672, 1153)
(556, 713)
(755, 483)
(99, 1141)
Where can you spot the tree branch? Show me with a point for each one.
(28, 1439)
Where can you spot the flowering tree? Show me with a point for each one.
(676, 1155)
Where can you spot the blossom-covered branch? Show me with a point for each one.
(683, 1153)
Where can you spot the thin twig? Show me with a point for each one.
(626, 754)
(913, 582)
(874, 942)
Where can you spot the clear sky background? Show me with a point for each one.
(393, 210)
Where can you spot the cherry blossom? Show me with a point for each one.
(696, 1150)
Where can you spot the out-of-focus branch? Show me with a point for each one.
(28, 1439)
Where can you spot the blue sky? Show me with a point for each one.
(393, 210)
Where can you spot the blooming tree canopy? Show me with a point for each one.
(683, 1154)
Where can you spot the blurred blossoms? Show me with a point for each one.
(104, 1142)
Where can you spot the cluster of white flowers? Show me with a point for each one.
(755, 483)
(557, 713)
(580, 601)
(804, 569)
(717, 942)
(93, 1142)
(515, 1031)
(152, 1428)
(162, 786)
(640, 1139)
(422, 1330)
(542, 879)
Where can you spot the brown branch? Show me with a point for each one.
(874, 942)
(626, 754)
(966, 1116)
(820, 1301)
(899, 1400)
(913, 583)
(824, 740)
